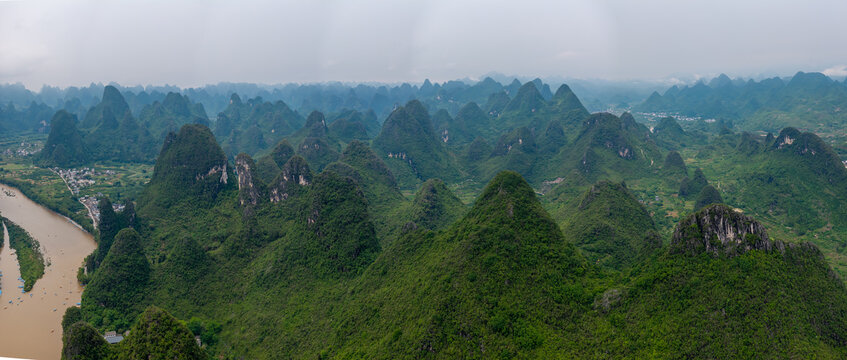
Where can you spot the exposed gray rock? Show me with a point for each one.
(719, 229)
(607, 300)
(294, 175)
(409, 227)
(248, 191)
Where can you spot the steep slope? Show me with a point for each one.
(670, 135)
(112, 107)
(315, 144)
(798, 181)
(323, 232)
(157, 334)
(478, 150)
(526, 108)
(353, 125)
(315, 126)
(552, 139)
(82, 341)
(608, 147)
(491, 285)
(819, 156)
(295, 174)
(282, 152)
(241, 123)
(377, 182)
(268, 166)
(611, 227)
(64, 146)
(515, 151)
(251, 188)
(114, 133)
(411, 149)
(435, 206)
(117, 288)
(496, 103)
(318, 152)
(690, 187)
(469, 123)
(749, 144)
(568, 108)
(674, 167)
(169, 115)
(725, 289)
(709, 195)
(191, 164)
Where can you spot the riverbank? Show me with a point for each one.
(28, 251)
(64, 204)
(30, 324)
(75, 192)
(91, 206)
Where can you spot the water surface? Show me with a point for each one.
(31, 325)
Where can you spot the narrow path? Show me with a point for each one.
(90, 212)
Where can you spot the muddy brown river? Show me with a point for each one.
(31, 323)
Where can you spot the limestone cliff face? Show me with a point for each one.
(214, 170)
(190, 164)
(608, 131)
(248, 190)
(814, 152)
(295, 174)
(719, 229)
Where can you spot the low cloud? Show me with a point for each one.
(838, 70)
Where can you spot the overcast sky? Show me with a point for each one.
(192, 43)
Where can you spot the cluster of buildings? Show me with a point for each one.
(24, 149)
(656, 116)
(91, 201)
(76, 179)
(80, 178)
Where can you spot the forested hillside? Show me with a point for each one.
(507, 222)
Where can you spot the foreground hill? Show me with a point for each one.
(355, 250)
(304, 273)
(726, 290)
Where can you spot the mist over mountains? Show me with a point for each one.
(485, 219)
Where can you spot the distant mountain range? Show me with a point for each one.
(811, 101)
(513, 223)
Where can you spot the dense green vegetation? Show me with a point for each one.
(108, 132)
(110, 223)
(190, 164)
(806, 100)
(53, 195)
(249, 126)
(709, 195)
(81, 341)
(435, 206)
(611, 227)
(411, 148)
(28, 252)
(156, 334)
(64, 145)
(117, 286)
(598, 241)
